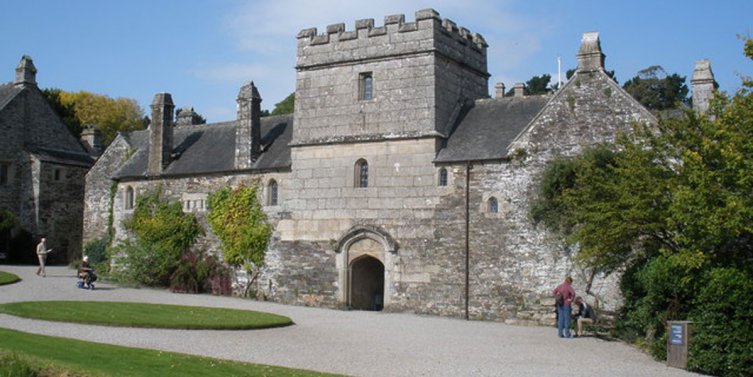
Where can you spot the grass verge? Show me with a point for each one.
(39, 355)
(128, 314)
(8, 278)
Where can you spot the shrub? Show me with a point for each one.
(163, 233)
(96, 250)
(198, 273)
(722, 341)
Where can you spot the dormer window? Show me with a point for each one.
(366, 86)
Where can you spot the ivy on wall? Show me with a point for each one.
(237, 219)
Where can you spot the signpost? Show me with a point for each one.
(678, 338)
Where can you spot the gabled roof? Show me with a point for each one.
(489, 127)
(210, 148)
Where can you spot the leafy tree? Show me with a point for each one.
(286, 106)
(670, 205)
(657, 90)
(539, 84)
(237, 219)
(107, 114)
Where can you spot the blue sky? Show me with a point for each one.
(202, 51)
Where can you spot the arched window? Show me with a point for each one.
(362, 173)
(442, 177)
(272, 193)
(129, 197)
(493, 205)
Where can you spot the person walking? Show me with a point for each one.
(563, 297)
(42, 256)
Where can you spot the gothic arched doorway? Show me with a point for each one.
(367, 284)
(366, 260)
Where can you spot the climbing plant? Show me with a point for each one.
(237, 219)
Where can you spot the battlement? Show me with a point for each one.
(428, 32)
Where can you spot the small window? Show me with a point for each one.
(366, 86)
(129, 198)
(272, 193)
(442, 177)
(493, 205)
(362, 173)
(57, 175)
(4, 173)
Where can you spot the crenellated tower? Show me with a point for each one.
(396, 81)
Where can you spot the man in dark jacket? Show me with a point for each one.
(585, 315)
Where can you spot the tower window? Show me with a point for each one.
(366, 86)
(272, 193)
(442, 177)
(493, 205)
(362, 173)
(129, 198)
(57, 175)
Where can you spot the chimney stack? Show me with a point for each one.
(160, 134)
(590, 57)
(26, 73)
(499, 90)
(520, 90)
(248, 131)
(702, 85)
(91, 137)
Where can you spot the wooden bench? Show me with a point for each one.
(604, 324)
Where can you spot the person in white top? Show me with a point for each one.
(42, 256)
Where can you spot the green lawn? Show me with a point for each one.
(8, 278)
(52, 356)
(145, 315)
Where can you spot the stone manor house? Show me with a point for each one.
(397, 183)
(42, 169)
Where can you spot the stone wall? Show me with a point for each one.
(98, 197)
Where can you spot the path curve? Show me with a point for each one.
(349, 342)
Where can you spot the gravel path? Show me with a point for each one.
(348, 342)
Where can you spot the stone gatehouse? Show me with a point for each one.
(395, 172)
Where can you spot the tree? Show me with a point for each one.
(106, 114)
(670, 206)
(539, 84)
(657, 90)
(286, 106)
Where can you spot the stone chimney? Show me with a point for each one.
(26, 73)
(248, 131)
(520, 90)
(590, 57)
(499, 90)
(702, 85)
(186, 117)
(160, 134)
(91, 137)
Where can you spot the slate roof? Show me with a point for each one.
(8, 91)
(488, 129)
(210, 148)
(61, 157)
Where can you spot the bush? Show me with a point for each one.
(96, 250)
(655, 291)
(163, 234)
(722, 341)
(199, 273)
